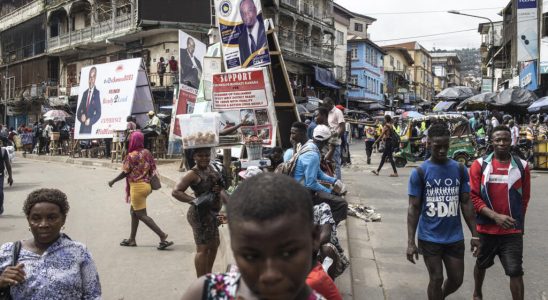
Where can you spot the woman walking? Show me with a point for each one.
(139, 166)
(208, 185)
(387, 132)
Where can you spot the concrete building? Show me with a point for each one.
(343, 19)
(306, 31)
(450, 63)
(421, 83)
(367, 72)
(397, 75)
(45, 43)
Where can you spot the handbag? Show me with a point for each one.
(155, 183)
(5, 292)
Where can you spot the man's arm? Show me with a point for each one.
(341, 129)
(311, 163)
(413, 214)
(470, 218)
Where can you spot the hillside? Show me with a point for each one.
(471, 60)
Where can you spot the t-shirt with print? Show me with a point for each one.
(440, 220)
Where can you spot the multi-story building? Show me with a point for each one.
(343, 19)
(367, 71)
(397, 68)
(45, 43)
(306, 32)
(450, 63)
(421, 71)
(440, 78)
(26, 73)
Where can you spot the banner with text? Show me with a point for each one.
(527, 39)
(245, 97)
(108, 99)
(243, 34)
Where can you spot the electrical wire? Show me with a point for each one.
(426, 35)
(432, 11)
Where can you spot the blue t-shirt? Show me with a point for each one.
(440, 220)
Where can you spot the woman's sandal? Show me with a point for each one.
(394, 175)
(163, 245)
(375, 172)
(128, 243)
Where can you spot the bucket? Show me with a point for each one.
(254, 151)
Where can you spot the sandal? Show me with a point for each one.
(375, 172)
(163, 245)
(128, 243)
(394, 175)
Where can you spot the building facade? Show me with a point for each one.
(449, 62)
(397, 75)
(367, 72)
(422, 82)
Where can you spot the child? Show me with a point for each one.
(273, 238)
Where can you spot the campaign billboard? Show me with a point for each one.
(245, 97)
(543, 61)
(191, 60)
(106, 98)
(243, 34)
(528, 76)
(527, 40)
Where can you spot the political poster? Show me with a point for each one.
(245, 97)
(109, 98)
(191, 60)
(184, 101)
(243, 34)
(544, 44)
(527, 31)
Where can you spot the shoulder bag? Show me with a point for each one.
(155, 183)
(5, 292)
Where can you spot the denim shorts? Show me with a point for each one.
(508, 247)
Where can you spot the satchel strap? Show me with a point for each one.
(15, 253)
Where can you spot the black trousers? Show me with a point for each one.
(338, 205)
(388, 153)
(369, 149)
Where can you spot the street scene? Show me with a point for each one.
(287, 150)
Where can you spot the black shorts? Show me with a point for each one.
(455, 249)
(509, 249)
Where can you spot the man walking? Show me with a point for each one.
(500, 190)
(369, 130)
(336, 122)
(438, 192)
(5, 164)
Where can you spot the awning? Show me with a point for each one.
(326, 78)
(445, 105)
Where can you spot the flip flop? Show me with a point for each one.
(163, 245)
(128, 243)
(375, 172)
(394, 175)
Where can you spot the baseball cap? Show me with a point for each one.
(250, 172)
(151, 113)
(321, 133)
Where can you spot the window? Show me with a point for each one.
(340, 38)
(358, 27)
(392, 61)
(354, 81)
(367, 53)
(399, 65)
(339, 72)
(354, 53)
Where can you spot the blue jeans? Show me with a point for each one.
(337, 158)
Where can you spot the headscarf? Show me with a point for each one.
(136, 141)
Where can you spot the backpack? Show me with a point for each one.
(288, 167)
(422, 175)
(394, 138)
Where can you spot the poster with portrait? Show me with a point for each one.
(243, 34)
(108, 94)
(245, 97)
(191, 60)
(184, 105)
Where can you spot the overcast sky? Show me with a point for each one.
(400, 19)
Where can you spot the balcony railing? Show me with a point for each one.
(97, 32)
(292, 3)
(301, 47)
(20, 15)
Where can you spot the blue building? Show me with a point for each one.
(367, 72)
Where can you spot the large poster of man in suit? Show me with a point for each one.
(243, 33)
(89, 110)
(191, 57)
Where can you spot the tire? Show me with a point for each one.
(461, 158)
(400, 162)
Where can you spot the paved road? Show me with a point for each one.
(99, 218)
(379, 266)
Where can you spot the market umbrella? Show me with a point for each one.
(444, 106)
(456, 93)
(412, 114)
(541, 105)
(477, 102)
(56, 115)
(516, 96)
